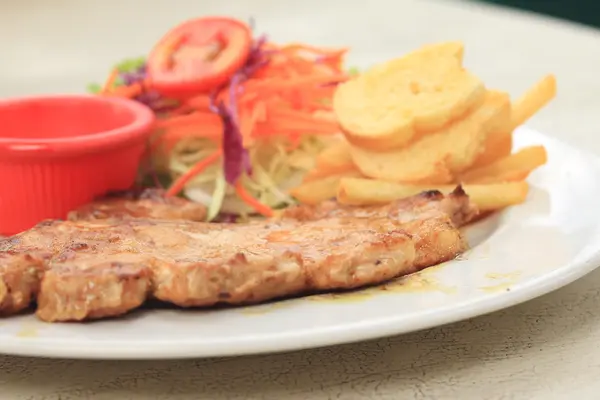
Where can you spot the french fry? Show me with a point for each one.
(514, 167)
(498, 145)
(533, 100)
(335, 155)
(314, 192)
(318, 190)
(328, 170)
(357, 191)
(301, 160)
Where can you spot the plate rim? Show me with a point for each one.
(323, 336)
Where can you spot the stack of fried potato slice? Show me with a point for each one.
(424, 122)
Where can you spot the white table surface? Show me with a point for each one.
(544, 349)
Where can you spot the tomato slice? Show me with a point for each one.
(199, 55)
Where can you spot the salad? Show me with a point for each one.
(240, 119)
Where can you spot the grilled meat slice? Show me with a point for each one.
(20, 277)
(431, 203)
(107, 268)
(81, 270)
(151, 204)
(430, 217)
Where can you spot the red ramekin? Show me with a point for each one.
(59, 152)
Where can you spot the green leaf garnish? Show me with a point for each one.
(94, 88)
(131, 64)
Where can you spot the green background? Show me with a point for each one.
(583, 11)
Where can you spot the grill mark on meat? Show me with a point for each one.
(6, 244)
(78, 246)
(150, 203)
(456, 205)
(432, 194)
(92, 269)
(48, 222)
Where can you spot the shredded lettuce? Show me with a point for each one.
(218, 196)
(275, 170)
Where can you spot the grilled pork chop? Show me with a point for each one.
(151, 203)
(456, 205)
(79, 270)
(422, 215)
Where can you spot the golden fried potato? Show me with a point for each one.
(385, 107)
(498, 145)
(334, 155)
(423, 122)
(325, 171)
(438, 156)
(402, 166)
(357, 191)
(448, 49)
(514, 167)
(318, 190)
(333, 160)
(533, 100)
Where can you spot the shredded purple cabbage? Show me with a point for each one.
(151, 98)
(132, 77)
(227, 218)
(236, 159)
(257, 58)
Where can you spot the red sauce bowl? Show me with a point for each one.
(59, 152)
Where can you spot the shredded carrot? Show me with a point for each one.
(251, 201)
(127, 91)
(131, 91)
(199, 124)
(297, 83)
(201, 102)
(313, 49)
(110, 82)
(200, 166)
(198, 119)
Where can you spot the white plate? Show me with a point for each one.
(524, 252)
